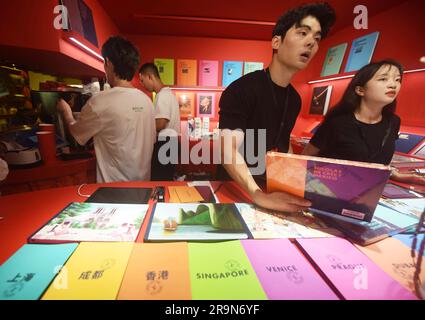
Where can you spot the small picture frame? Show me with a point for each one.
(205, 105)
(186, 104)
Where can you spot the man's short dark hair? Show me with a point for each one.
(123, 55)
(149, 68)
(323, 12)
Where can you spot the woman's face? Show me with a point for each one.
(384, 86)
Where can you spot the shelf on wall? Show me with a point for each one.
(352, 75)
(216, 89)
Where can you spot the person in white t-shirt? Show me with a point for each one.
(121, 120)
(167, 119)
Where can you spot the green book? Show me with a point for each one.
(333, 60)
(222, 271)
(252, 66)
(166, 70)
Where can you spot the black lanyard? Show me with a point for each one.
(285, 106)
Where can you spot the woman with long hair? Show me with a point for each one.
(363, 125)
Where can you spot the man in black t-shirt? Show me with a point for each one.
(260, 109)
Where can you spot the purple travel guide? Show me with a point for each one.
(340, 188)
(351, 272)
(284, 273)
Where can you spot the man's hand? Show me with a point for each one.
(280, 201)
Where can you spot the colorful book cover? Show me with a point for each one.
(320, 100)
(205, 104)
(208, 73)
(284, 273)
(410, 207)
(267, 224)
(186, 103)
(340, 188)
(333, 60)
(197, 222)
(187, 72)
(394, 258)
(252, 66)
(352, 274)
(222, 271)
(232, 70)
(184, 194)
(166, 70)
(157, 272)
(27, 274)
(82, 221)
(386, 222)
(361, 52)
(94, 272)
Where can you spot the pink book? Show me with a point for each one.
(351, 272)
(284, 273)
(208, 73)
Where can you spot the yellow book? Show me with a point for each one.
(157, 272)
(94, 272)
(394, 258)
(184, 194)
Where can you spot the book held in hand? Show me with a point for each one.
(82, 221)
(339, 188)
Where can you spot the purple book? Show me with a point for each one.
(348, 189)
(351, 272)
(284, 273)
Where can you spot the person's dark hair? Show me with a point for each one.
(149, 68)
(350, 101)
(123, 55)
(323, 12)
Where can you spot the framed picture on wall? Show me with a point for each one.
(320, 100)
(205, 104)
(186, 103)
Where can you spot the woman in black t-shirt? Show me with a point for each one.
(363, 126)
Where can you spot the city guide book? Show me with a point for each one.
(361, 52)
(343, 189)
(386, 222)
(195, 222)
(82, 221)
(333, 60)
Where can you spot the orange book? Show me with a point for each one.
(187, 71)
(157, 272)
(392, 256)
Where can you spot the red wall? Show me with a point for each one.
(29, 24)
(399, 39)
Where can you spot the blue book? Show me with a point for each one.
(27, 274)
(406, 142)
(232, 70)
(407, 239)
(361, 52)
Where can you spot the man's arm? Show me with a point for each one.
(235, 165)
(161, 124)
(87, 126)
(64, 108)
(310, 150)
